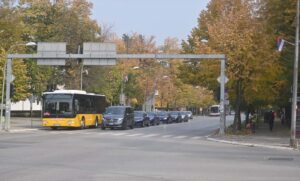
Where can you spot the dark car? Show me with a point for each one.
(164, 117)
(176, 116)
(154, 119)
(118, 117)
(141, 118)
(184, 116)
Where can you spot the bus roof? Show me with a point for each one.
(71, 92)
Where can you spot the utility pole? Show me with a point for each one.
(293, 141)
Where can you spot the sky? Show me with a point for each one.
(159, 18)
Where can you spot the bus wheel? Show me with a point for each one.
(96, 123)
(82, 123)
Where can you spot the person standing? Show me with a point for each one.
(271, 120)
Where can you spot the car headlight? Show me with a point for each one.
(120, 120)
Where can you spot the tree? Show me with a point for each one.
(233, 28)
(11, 42)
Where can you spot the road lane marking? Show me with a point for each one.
(119, 134)
(21, 130)
(167, 136)
(149, 135)
(131, 135)
(180, 137)
(195, 137)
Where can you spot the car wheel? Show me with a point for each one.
(132, 125)
(124, 125)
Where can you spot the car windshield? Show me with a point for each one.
(174, 113)
(151, 114)
(115, 110)
(162, 113)
(138, 113)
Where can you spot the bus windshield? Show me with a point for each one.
(214, 109)
(58, 105)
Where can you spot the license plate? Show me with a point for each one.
(56, 125)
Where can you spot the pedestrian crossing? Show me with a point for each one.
(131, 135)
(108, 133)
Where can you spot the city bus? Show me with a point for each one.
(214, 110)
(72, 108)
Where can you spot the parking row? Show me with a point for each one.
(123, 117)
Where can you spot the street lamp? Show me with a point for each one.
(293, 141)
(3, 82)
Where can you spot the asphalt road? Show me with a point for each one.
(175, 152)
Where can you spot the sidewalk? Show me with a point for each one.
(279, 138)
(20, 123)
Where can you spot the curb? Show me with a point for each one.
(250, 144)
(18, 130)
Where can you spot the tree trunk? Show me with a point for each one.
(237, 118)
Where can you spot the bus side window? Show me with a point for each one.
(76, 102)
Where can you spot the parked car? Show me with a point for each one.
(118, 117)
(164, 117)
(141, 118)
(184, 116)
(176, 116)
(190, 114)
(154, 119)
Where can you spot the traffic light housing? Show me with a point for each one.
(12, 90)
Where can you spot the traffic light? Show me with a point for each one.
(12, 90)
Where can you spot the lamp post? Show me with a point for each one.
(8, 69)
(293, 141)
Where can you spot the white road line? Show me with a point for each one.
(106, 133)
(195, 137)
(167, 136)
(149, 135)
(21, 130)
(131, 135)
(87, 133)
(180, 137)
(119, 134)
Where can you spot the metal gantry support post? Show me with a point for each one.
(222, 99)
(7, 100)
(293, 141)
(2, 100)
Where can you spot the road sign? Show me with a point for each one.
(106, 50)
(51, 49)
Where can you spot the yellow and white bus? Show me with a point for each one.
(72, 108)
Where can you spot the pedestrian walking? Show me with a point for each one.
(282, 117)
(271, 120)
